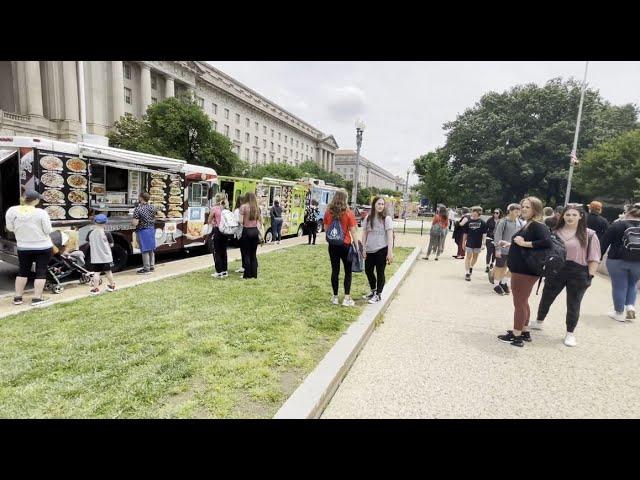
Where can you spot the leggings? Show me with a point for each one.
(436, 243)
(378, 261)
(312, 230)
(521, 287)
(250, 241)
(491, 251)
(220, 251)
(337, 253)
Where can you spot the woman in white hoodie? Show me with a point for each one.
(32, 228)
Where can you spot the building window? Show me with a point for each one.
(264, 158)
(292, 141)
(272, 133)
(279, 136)
(256, 141)
(255, 156)
(127, 95)
(238, 150)
(154, 100)
(127, 71)
(215, 126)
(248, 122)
(285, 150)
(226, 113)
(237, 134)
(154, 82)
(285, 139)
(200, 102)
(257, 126)
(264, 129)
(237, 118)
(215, 109)
(264, 143)
(272, 146)
(278, 148)
(226, 130)
(296, 143)
(246, 154)
(271, 158)
(247, 137)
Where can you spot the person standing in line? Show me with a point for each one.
(595, 221)
(452, 218)
(622, 239)
(534, 235)
(250, 219)
(581, 264)
(236, 213)
(100, 245)
(491, 249)
(504, 232)
(220, 240)
(338, 210)
(377, 238)
(31, 227)
(311, 215)
(144, 218)
(437, 233)
(460, 233)
(276, 221)
(476, 237)
(547, 213)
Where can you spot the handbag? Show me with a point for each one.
(356, 258)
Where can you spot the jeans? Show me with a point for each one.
(277, 228)
(624, 281)
(220, 251)
(337, 253)
(575, 278)
(148, 260)
(378, 261)
(312, 230)
(250, 242)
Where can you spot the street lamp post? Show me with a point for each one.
(354, 190)
(575, 137)
(406, 195)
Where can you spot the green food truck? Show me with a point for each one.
(291, 195)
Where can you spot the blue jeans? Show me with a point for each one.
(277, 228)
(624, 280)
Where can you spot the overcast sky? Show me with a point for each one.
(404, 104)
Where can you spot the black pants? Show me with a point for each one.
(220, 251)
(491, 251)
(249, 242)
(377, 260)
(337, 253)
(576, 279)
(451, 222)
(312, 230)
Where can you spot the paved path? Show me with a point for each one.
(437, 356)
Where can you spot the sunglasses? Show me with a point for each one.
(496, 213)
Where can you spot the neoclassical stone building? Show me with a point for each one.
(41, 99)
(371, 175)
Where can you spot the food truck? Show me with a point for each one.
(321, 192)
(80, 180)
(292, 196)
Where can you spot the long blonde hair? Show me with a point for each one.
(251, 199)
(536, 208)
(338, 204)
(221, 199)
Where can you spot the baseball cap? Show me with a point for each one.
(31, 195)
(101, 218)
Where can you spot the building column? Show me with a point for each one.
(169, 88)
(34, 88)
(145, 88)
(117, 89)
(70, 85)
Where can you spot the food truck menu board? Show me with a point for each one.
(62, 181)
(166, 192)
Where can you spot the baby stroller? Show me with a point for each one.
(63, 265)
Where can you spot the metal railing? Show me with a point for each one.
(13, 116)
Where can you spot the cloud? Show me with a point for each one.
(346, 103)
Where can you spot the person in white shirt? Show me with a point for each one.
(31, 227)
(453, 216)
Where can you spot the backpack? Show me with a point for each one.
(228, 223)
(631, 243)
(547, 262)
(335, 234)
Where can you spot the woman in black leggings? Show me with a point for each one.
(377, 238)
(250, 219)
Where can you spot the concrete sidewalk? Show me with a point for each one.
(437, 356)
(130, 278)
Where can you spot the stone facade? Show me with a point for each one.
(371, 175)
(41, 99)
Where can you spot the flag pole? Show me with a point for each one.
(575, 137)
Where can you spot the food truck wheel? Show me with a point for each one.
(300, 230)
(57, 289)
(268, 237)
(319, 230)
(120, 257)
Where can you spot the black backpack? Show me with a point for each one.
(631, 243)
(547, 262)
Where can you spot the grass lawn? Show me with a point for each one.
(186, 347)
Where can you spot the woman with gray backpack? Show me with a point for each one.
(438, 233)
(622, 239)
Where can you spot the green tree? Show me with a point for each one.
(611, 170)
(475, 186)
(435, 176)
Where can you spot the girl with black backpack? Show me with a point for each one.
(311, 214)
(533, 236)
(581, 263)
(622, 239)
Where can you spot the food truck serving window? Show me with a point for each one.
(198, 194)
(116, 179)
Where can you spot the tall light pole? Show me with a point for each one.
(354, 191)
(406, 194)
(575, 137)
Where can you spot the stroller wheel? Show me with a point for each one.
(57, 289)
(84, 278)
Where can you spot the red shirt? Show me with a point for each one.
(444, 222)
(347, 221)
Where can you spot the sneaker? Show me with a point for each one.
(216, 275)
(375, 299)
(491, 277)
(487, 270)
(536, 324)
(467, 277)
(526, 336)
(111, 288)
(436, 259)
(570, 340)
(619, 316)
(369, 295)
(425, 258)
(224, 274)
(498, 290)
(17, 300)
(631, 312)
(94, 291)
(512, 339)
(240, 270)
(36, 302)
(505, 288)
(143, 271)
(348, 302)
(335, 300)
(152, 269)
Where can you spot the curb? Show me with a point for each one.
(316, 391)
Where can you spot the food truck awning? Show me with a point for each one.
(131, 158)
(6, 153)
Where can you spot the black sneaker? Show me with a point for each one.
(512, 339)
(505, 288)
(467, 277)
(369, 295)
(152, 269)
(17, 300)
(498, 290)
(36, 302)
(486, 270)
(143, 271)
(526, 336)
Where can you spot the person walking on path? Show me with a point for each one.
(144, 217)
(276, 221)
(452, 218)
(476, 237)
(438, 233)
(236, 213)
(491, 248)
(311, 214)
(534, 235)
(595, 221)
(31, 227)
(220, 240)
(459, 233)
(581, 264)
(339, 211)
(100, 245)
(250, 219)
(623, 262)
(504, 232)
(377, 238)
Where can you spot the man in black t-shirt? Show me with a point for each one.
(476, 236)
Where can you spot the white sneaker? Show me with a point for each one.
(240, 270)
(335, 300)
(631, 312)
(375, 299)
(536, 325)
(369, 295)
(348, 302)
(620, 317)
(570, 340)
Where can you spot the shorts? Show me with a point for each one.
(472, 250)
(502, 261)
(26, 258)
(101, 267)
